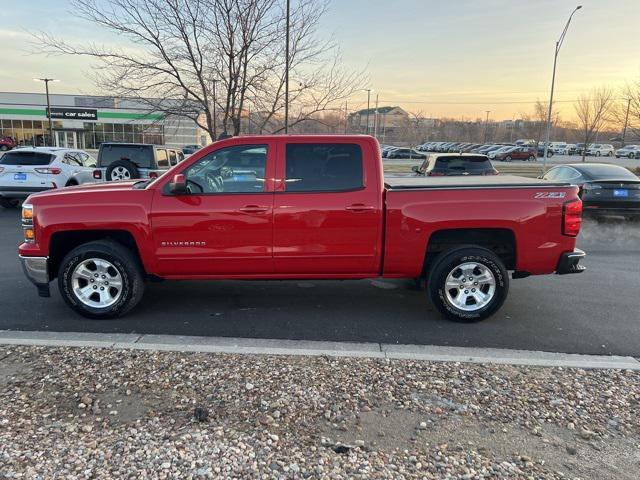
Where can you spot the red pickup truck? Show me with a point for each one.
(292, 207)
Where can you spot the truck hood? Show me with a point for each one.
(86, 188)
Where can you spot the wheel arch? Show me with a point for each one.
(63, 242)
(501, 241)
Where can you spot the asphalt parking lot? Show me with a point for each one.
(596, 312)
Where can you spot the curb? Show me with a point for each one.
(249, 346)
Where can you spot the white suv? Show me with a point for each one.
(25, 171)
(600, 149)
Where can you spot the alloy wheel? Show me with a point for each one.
(470, 286)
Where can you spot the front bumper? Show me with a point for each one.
(37, 271)
(569, 262)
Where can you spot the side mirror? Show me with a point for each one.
(178, 185)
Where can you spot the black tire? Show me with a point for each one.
(9, 202)
(124, 169)
(447, 262)
(598, 154)
(531, 158)
(507, 158)
(122, 259)
(4, 148)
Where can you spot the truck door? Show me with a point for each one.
(224, 224)
(327, 208)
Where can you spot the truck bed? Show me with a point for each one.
(466, 181)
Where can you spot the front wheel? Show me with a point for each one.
(507, 158)
(4, 148)
(101, 279)
(468, 284)
(531, 158)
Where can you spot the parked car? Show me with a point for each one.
(448, 164)
(580, 148)
(498, 151)
(24, 171)
(605, 189)
(540, 151)
(629, 151)
(557, 147)
(600, 149)
(386, 150)
(7, 143)
(569, 149)
(525, 142)
(190, 149)
(515, 153)
(319, 209)
(126, 161)
(405, 153)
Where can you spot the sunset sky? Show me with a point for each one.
(456, 58)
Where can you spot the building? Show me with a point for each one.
(384, 121)
(85, 121)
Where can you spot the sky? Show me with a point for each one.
(458, 58)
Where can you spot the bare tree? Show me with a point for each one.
(592, 110)
(186, 55)
(626, 112)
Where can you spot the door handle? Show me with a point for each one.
(254, 209)
(359, 208)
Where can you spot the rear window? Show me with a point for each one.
(26, 158)
(323, 167)
(140, 155)
(603, 172)
(462, 164)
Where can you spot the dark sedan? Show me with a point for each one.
(447, 164)
(408, 153)
(605, 189)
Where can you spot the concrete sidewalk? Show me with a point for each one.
(315, 348)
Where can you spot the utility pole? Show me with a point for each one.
(375, 119)
(553, 81)
(626, 121)
(346, 116)
(486, 126)
(286, 72)
(46, 87)
(368, 104)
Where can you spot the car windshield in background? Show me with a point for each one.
(142, 156)
(26, 158)
(464, 164)
(604, 172)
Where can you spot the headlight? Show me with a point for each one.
(27, 223)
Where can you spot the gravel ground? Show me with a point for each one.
(93, 413)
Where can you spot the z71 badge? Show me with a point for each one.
(550, 195)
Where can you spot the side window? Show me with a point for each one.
(173, 159)
(71, 159)
(572, 175)
(238, 169)
(161, 158)
(552, 174)
(87, 160)
(323, 167)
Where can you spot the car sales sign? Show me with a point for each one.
(74, 113)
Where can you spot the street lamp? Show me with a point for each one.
(46, 87)
(368, 90)
(553, 80)
(486, 126)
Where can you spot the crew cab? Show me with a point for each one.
(299, 207)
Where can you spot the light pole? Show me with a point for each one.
(486, 126)
(626, 121)
(215, 126)
(286, 72)
(46, 87)
(368, 90)
(553, 81)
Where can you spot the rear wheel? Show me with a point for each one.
(101, 279)
(507, 158)
(531, 158)
(9, 202)
(468, 284)
(4, 148)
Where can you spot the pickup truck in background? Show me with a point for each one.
(299, 207)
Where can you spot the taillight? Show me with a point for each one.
(49, 170)
(572, 217)
(97, 174)
(153, 175)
